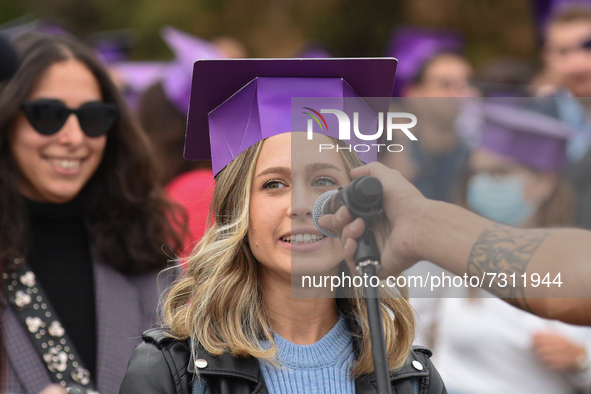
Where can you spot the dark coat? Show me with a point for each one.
(162, 365)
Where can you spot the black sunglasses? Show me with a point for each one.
(48, 116)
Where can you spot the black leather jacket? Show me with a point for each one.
(162, 365)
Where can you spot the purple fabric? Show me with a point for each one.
(413, 46)
(260, 103)
(533, 139)
(186, 48)
(139, 76)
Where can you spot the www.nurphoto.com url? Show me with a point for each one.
(443, 280)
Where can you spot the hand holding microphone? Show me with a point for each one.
(401, 203)
(363, 198)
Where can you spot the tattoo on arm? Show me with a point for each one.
(509, 251)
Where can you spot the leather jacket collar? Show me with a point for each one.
(163, 365)
(229, 366)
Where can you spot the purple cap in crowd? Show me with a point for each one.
(413, 46)
(238, 102)
(174, 75)
(187, 49)
(140, 75)
(531, 138)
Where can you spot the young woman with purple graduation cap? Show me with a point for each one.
(232, 324)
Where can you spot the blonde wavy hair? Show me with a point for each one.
(219, 302)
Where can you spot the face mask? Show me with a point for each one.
(501, 200)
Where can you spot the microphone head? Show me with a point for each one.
(318, 211)
(8, 59)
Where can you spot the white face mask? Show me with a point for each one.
(501, 200)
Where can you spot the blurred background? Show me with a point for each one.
(281, 28)
(522, 161)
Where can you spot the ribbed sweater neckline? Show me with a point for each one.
(334, 346)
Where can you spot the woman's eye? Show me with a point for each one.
(273, 185)
(324, 182)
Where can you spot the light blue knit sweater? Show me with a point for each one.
(322, 367)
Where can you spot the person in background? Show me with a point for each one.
(567, 57)
(163, 106)
(483, 344)
(9, 68)
(566, 29)
(83, 221)
(162, 111)
(433, 74)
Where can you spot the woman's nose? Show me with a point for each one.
(71, 132)
(302, 202)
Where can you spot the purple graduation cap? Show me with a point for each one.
(238, 102)
(413, 46)
(186, 48)
(138, 76)
(532, 138)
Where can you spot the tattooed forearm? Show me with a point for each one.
(509, 251)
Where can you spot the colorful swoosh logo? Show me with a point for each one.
(315, 118)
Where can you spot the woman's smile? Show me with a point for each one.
(303, 240)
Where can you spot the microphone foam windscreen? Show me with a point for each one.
(8, 59)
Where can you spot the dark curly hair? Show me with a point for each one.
(129, 217)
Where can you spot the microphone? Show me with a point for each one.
(363, 197)
(8, 59)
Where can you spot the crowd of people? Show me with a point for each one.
(107, 231)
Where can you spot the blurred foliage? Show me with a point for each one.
(280, 28)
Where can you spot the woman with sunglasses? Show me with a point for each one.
(82, 221)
